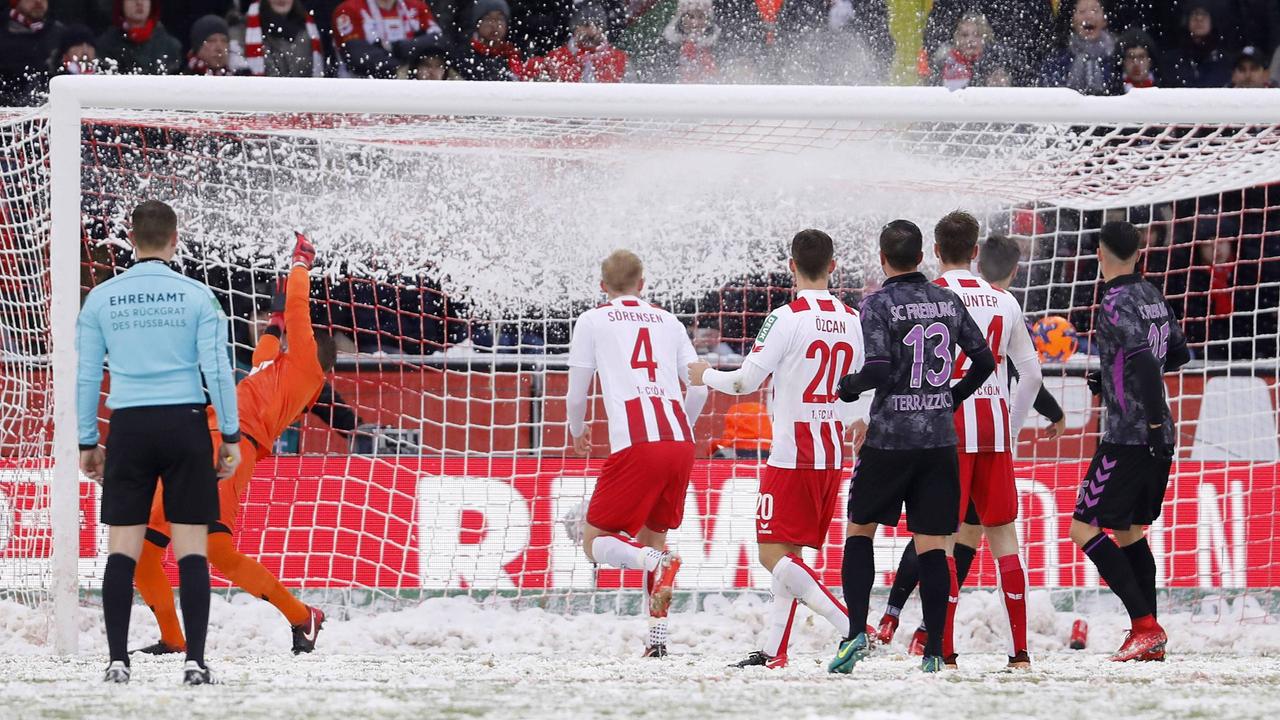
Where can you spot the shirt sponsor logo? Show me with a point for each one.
(764, 329)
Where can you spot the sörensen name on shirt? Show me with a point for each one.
(632, 316)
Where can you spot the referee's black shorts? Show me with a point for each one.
(170, 443)
(926, 480)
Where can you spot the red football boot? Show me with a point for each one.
(888, 626)
(660, 599)
(1147, 641)
(918, 639)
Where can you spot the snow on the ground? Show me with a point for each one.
(460, 658)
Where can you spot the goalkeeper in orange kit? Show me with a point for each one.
(281, 386)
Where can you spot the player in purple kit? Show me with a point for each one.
(910, 328)
(998, 264)
(1138, 339)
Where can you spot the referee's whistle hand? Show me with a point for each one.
(228, 460)
(91, 462)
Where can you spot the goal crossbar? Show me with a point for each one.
(889, 104)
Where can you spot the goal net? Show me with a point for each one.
(460, 229)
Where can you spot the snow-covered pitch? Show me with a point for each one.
(450, 658)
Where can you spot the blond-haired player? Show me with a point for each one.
(641, 354)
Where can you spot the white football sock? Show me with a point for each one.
(777, 629)
(616, 552)
(801, 583)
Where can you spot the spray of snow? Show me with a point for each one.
(508, 230)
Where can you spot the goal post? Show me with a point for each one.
(1000, 148)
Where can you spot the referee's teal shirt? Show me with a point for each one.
(159, 331)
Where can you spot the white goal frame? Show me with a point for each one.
(71, 95)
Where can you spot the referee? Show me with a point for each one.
(159, 332)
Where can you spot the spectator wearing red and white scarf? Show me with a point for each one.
(1137, 60)
(587, 57)
(139, 42)
(375, 37)
(957, 64)
(278, 39)
(693, 33)
(27, 39)
(488, 54)
(210, 47)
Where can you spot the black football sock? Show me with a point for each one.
(117, 603)
(904, 582)
(1115, 569)
(1144, 570)
(935, 583)
(964, 560)
(857, 576)
(193, 592)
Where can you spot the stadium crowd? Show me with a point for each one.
(1101, 47)
(1217, 257)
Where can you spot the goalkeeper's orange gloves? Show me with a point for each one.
(304, 253)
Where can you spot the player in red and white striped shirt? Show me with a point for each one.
(987, 424)
(807, 345)
(642, 354)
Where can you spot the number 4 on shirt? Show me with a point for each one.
(642, 355)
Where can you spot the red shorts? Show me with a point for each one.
(987, 479)
(796, 506)
(642, 486)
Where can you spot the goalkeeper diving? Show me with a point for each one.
(283, 384)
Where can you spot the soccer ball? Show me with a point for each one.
(1055, 338)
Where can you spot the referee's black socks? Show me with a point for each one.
(117, 603)
(193, 591)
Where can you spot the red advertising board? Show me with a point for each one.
(408, 522)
